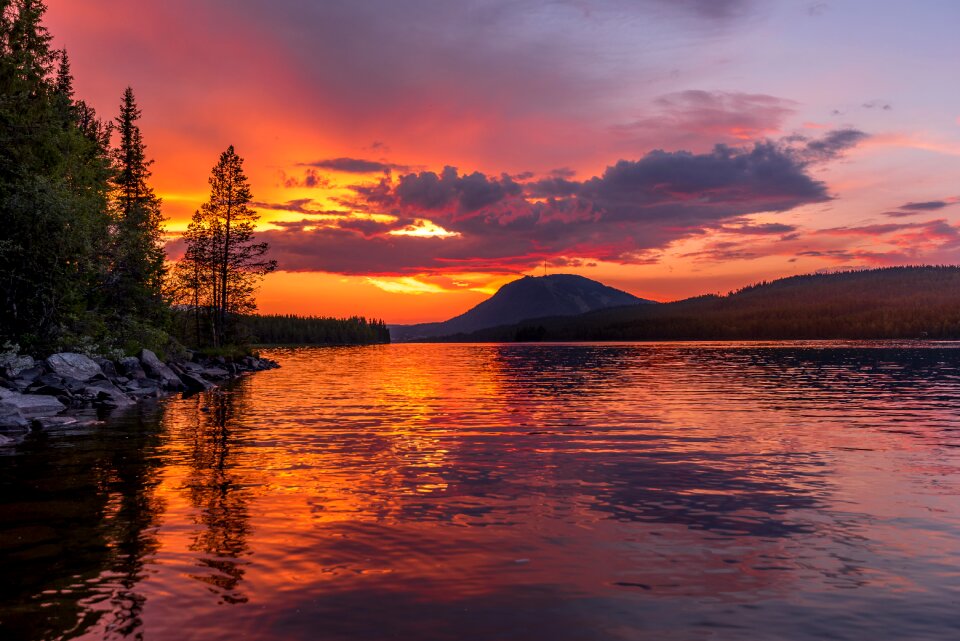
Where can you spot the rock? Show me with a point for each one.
(32, 405)
(75, 366)
(192, 368)
(16, 365)
(47, 422)
(6, 441)
(108, 395)
(195, 383)
(155, 368)
(131, 367)
(215, 373)
(29, 375)
(11, 417)
(54, 385)
(107, 367)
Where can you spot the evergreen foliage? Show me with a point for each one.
(55, 231)
(138, 259)
(315, 330)
(222, 263)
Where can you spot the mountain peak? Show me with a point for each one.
(526, 298)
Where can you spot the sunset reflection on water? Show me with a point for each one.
(689, 491)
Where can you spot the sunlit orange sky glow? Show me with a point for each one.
(408, 158)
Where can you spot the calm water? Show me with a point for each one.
(500, 492)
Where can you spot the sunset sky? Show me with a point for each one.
(410, 156)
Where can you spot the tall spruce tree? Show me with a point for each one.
(222, 262)
(138, 254)
(53, 190)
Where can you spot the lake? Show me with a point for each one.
(505, 492)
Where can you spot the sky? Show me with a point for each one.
(408, 157)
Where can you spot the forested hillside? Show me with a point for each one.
(891, 303)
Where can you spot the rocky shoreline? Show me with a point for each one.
(64, 388)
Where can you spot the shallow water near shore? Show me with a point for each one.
(580, 491)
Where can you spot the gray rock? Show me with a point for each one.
(75, 366)
(32, 405)
(195, 383)
(192, 368)
(29, 375)
(215, 373)
(16, 365)
(131, 367)
(109, 395)
(107, 366)
(155, 368)
(11, 417)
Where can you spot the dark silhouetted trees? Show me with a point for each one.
(138, 257)
(315, 330)
(222, 262)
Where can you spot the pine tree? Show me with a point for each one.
(139, 257)
(222, 262)
(52, 190)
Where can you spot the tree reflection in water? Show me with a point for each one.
(220, 499)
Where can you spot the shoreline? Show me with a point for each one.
(37, 395)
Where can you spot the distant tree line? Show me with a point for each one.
(82, 260)
(315, 330)
(889, 303)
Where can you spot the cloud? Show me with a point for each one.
(428, 191)
(299, 206)
(878, 104)
(353, 165)
(627, 214)
(832, 145)
(689, 118)
(931, 205)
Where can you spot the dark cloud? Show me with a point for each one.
(761, 229)
(312, 179)
(833, 145)
(715, 9)
(354, 165)
(628, 214)
(931, 205)
(429, 191)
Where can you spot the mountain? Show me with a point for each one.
(889, 303)
(529, 297)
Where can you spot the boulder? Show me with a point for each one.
(195, 383)
(32, 405)
(155, 368)
(29, 375)
(54, 385)
(75, 366)
(131, 367)
(11, 417)
(215, 373)
(191, 367)
(107, 366)
(108, 395)
(15, 365)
